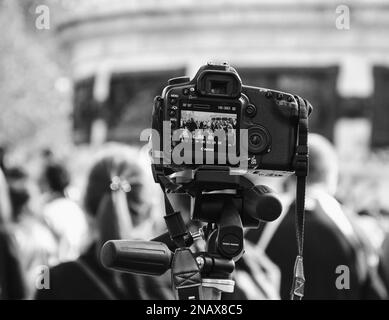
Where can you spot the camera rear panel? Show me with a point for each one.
(271, 118)
(260, 125)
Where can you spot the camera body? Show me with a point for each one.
(215, 120)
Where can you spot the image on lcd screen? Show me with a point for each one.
(203, 127)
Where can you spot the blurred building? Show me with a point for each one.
(122, 53)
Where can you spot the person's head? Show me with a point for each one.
(323, 163)
(47, 154)
(323, 166)
(117, 196)
(56, 177)
(19, 191)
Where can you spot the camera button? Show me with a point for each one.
(255, 139)
(258, 140)
(251, 110)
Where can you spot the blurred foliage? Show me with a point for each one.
(34, 111)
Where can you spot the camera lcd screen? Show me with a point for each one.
(209, 128)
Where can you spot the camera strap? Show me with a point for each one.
(301, 171)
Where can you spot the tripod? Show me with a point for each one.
(226, 204)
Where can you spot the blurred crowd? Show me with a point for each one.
(50, 223)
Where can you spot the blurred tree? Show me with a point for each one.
(34, 104)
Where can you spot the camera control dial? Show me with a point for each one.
(178, 80)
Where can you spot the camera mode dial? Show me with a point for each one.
(178, 80)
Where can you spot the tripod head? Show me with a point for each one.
(227, 204)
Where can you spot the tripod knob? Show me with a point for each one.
(261, 203)
(135, 256)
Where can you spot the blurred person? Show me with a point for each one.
(331, 238)
(5, 204)
(18, 190)
(12, 282)
(256, 276)
(63, 215)
(33, 244)
(3, 152)
(117, 198)
(12, 285)
(47, 155)
(362, 196)
(384, 261)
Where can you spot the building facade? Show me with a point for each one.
(122, 52)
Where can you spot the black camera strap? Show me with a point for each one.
(301, 171)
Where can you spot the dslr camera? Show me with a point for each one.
(215, 120)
